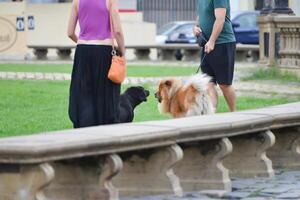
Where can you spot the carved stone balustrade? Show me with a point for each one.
(166, 52)
(289, 30)
(199, 153)
(279, 41)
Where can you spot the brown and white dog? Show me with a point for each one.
(185, 99)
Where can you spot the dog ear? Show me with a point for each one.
(168, 83)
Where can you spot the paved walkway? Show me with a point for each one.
(262, 87)
(285, 185)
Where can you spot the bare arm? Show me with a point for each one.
(220, 14)
(118, 32)
(73, 21)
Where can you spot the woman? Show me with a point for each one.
(94, 98)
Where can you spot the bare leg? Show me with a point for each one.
(213, 95)
(229, 94)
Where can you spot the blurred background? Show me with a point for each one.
(32, 29)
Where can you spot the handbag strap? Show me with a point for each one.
(113, 52)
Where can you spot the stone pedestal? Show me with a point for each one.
(285, 154)
(150, 172)
(64, 53)
(167, 54)
(41, 54)
(248, 158)
(267, 40)
(191, 55)
(142, 54)
(202, 169)
(25, 182)
(88, 178)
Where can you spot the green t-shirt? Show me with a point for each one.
(206, 13)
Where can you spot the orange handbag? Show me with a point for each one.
(117, 71)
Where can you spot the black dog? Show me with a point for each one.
(131, 98)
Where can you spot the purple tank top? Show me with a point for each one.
(94, 20)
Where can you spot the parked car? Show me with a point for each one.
(244, 25)
(176, 32)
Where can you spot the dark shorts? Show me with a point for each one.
(219, 64)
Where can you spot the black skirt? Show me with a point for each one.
(94, 99)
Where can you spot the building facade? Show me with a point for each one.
(176, 9)
(164, 11)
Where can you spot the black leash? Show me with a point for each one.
(204, 55)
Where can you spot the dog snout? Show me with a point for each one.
(147, 93)
(158, 97)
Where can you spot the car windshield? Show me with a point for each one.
(246, 19)
(234, 14)
(166, 29)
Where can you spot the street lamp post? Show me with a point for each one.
(276, 6)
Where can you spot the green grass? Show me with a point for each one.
(132, 70)
(33, 106)
(29, 107)
(47, 68)
(272, 73)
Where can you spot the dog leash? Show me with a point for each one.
(204, 55)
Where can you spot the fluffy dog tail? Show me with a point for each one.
(203, 104)
(199, 81)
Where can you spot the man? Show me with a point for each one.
(219, 51)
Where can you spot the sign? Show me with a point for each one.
(20, 24)
(8, 34)
(31, 23)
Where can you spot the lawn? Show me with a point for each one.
(29, 107)
(132, 70)
(272, 73)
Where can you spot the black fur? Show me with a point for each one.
(131, 98)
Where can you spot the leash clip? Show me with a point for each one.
(113, 52)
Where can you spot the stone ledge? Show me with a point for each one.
(127, 137)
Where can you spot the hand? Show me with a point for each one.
(120, 52)
(197, 30)
(209, 46)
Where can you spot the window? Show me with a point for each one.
(186, 29)
(247, 21)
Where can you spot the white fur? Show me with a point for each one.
(203, 104)
(160, 108)
(200, 81)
